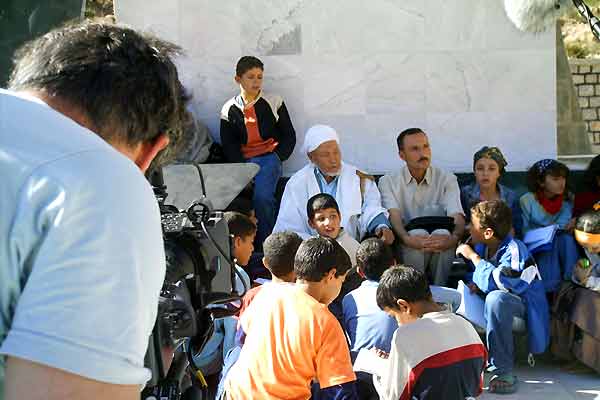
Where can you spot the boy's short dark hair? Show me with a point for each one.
(405, 133)
(316, 256)
(495, 215)
(239, 224)
(280, 250)
(320, 202)
(373, 257)
(402, 282)
(246, 63)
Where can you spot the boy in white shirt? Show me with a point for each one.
(324, 217)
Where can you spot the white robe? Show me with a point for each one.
(356, 213)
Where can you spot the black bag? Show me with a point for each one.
(430, 224)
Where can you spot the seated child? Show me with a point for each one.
(363, 321)
(365, 324)
(256, 128)
(434, 353)
(507, 275)
(292, 338)
(587, 233)
(547, 203)
(279, 252)
(489, 165)
(324, 217)
(243, 204)
(210, 359)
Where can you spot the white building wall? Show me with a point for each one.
(456, 68)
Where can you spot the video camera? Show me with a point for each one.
(200, 274)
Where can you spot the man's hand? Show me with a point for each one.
(416, 242)
(439, 243)
(386, 235)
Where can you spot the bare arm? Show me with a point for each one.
(397, 225)
(32, 381)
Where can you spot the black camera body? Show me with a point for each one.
(200, 273)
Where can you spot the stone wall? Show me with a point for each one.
(586, 78)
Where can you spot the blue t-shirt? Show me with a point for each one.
(81, 256)
(365, 323)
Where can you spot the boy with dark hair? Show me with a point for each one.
(292, 339)
(508, 276)
(256, 127)
(365, 323)
(279, 252)
(243, 231)
(243, 204)
(210, 359)
(434, 354)
(324, 217)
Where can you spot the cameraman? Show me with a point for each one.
(81, 253)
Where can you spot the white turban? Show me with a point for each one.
(317, 135)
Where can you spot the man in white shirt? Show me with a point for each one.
(355, 192)
(89, 108)
(418, 190)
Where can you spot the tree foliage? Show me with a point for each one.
(580, 42)
(98, 8)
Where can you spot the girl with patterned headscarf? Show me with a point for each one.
(488, 166)
(548, 203)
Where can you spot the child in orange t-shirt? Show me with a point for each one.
(292, 338)
(279, 252)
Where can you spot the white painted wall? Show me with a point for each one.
(456, 68)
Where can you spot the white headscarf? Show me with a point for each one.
(317, 135)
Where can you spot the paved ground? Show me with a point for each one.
(552, 381)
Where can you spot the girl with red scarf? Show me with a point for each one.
(548, 203)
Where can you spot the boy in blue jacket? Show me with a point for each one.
(508, 276)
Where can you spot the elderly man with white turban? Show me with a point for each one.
(355, 192)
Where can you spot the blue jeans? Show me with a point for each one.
(500, 308)
(557, 264)
(265, 183)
